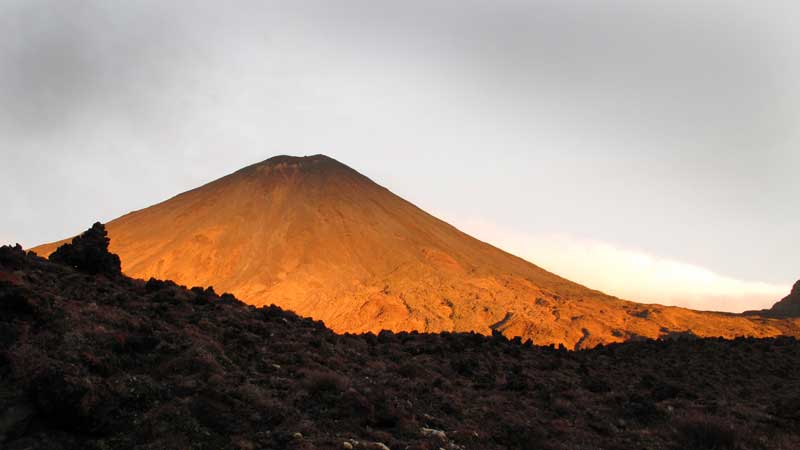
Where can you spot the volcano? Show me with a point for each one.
(313, 235)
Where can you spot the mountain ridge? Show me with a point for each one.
(787, 307)
(315, 236)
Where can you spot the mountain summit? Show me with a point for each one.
(312, 235)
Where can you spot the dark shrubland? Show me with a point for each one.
(95, 360)
(701, 432)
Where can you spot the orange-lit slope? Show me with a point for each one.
(315, 236)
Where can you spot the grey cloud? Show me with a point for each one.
(670, 126)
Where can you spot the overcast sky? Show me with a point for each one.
(649, 151)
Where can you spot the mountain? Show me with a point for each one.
(312, 235)
(90, 359)
(788, 307)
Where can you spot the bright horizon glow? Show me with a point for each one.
(627, 273)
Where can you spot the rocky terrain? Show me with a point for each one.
(92, 359)
(788, 307)
(315, 236)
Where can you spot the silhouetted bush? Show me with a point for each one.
(136, 344)
(787, 406)
(67, 401)
(641, 408)
(410, 370)
(89, 253)
(12, 257)
(701, 432)
(229, 298)
(516, 436)
(324, 383)
(154, 285)
(384, 413)
(13, 301)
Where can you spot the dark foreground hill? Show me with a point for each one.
(101, 361)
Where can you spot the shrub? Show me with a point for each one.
(520, 436)
(14, 302)
(701, 432)
(322, 383)
(155, 285)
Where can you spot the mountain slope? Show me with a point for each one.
(790, 305)
(313, 235)
(787, 307)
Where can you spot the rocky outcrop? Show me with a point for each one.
(788, 307)
(89, 253)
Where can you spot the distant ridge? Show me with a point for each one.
(789, 306)
(315, 236)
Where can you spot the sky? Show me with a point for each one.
(647, 150)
